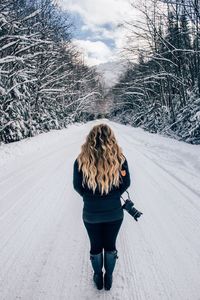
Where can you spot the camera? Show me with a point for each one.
(129, 207)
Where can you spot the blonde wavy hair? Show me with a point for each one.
(101, 159)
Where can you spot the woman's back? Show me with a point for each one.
(100, 207)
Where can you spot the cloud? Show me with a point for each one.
(101, 35)
(95, 12)
(94, 52)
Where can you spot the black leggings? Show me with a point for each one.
(103, 235)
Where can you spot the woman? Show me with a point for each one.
(100, 176)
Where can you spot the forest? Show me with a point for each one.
(44, 83)
(161, 92)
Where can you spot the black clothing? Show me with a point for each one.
(103, 235)
(101, 208)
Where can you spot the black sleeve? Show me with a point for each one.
(77, 179)
(126, 179)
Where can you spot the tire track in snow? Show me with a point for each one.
(143, 152)
(171, 177)
(17, 224)
(23, 211)
(28, 166)
(17, 186)
(181, 238)
(37, 221)
(128, 266)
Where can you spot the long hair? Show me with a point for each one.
(101, 159)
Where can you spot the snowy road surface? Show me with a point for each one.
(44, 247)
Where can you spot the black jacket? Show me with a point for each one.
(101, 208)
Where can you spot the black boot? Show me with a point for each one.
(97, 264)
(109, 265)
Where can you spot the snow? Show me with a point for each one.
(197, 115)
(44, 250)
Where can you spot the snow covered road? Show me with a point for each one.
(44, 247)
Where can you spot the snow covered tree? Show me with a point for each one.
(161, 92)
(42, 77)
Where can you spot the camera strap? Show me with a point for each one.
(128, 196)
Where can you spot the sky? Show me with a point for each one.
(99, 30)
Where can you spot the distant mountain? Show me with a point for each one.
(111, 71)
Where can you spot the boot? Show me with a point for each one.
(97, 264)
(109, 265)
